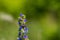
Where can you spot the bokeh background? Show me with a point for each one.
(43, 19)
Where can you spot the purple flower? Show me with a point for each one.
(25, 20)
(21, 14)
(25, 36)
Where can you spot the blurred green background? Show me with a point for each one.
(43, 19)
